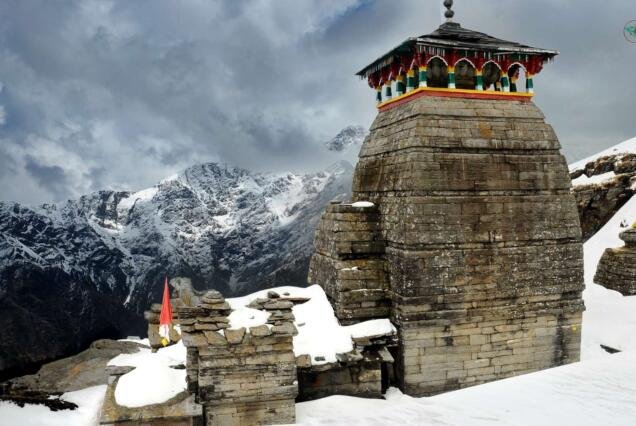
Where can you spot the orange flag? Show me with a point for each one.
(165, 320)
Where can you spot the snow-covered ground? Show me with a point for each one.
(597, 392)
(89, 402)
(600, 390)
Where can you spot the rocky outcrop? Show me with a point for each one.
(481, 239)
(597, 202)
(86, 369)
(617, 268)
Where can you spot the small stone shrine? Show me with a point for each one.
(463, 229)
(617, 267)
(243, 376)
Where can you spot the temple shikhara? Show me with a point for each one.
(462, 228)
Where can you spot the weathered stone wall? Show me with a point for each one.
(482, 236)
(483, 239)
(617, 267)
(349, 262)
(243, 376)
(362, 378)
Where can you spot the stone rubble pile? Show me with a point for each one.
(152, 316)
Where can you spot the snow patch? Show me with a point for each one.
(320, 335)
(376, 327)
(247, 317)
(363, 204)
(142, 196)
(584, 180)
(153, 381)
(89, 403)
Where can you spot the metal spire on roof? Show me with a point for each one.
(449, 12)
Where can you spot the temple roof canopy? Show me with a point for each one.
(451, 35)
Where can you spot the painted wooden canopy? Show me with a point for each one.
(455, 61)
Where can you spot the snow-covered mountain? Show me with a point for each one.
(87, 268)
(350, 136)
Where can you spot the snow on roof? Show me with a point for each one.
(153, 381)
(363, 204)
(628, 146)
(320, 335)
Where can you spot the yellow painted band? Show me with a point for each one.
(443, 89)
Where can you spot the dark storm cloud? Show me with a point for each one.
(120, 94)
(52, 178)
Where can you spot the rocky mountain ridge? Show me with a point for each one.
(350, 136)
(86, 269)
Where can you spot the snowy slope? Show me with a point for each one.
(626, 146)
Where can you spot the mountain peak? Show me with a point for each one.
(349, 136)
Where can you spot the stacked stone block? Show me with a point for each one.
(153, 316)
(242, 376)
(349, 262)
(482, 240)
(617, 267)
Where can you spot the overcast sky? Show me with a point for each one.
(119, 94)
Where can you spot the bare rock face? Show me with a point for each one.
(617, 267)
(86, 369)
(598, 202)
(481, 236)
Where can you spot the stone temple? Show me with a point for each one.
(462, 228)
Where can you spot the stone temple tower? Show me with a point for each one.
(463, 230)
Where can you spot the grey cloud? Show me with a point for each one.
(120, 94)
